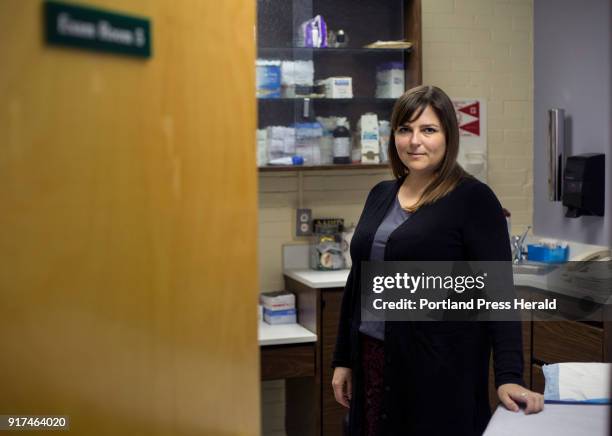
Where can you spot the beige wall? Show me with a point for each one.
(472, 48)
(484, 48)
(328, 193)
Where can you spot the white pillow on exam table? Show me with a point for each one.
(577, 382)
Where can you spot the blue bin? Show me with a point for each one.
(546, 254)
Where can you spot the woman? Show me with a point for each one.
(427, 378)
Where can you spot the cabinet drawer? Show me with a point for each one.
(332, 413)
(493, 399)
(567, 341)
(286, 361)
(537, 379)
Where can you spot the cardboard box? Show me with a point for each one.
(338, 87)
(274, 317)
(390, 80)
(370, 138)
(279, 300)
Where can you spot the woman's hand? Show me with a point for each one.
(342, 384)
(510, 393)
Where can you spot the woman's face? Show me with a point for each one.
(421, 144)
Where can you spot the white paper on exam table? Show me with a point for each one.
(555, 419)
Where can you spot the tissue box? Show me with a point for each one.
(279, 307)
(279, 300)
(280, 316)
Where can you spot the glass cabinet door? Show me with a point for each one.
(325, 94)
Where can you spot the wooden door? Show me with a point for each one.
(128, 278)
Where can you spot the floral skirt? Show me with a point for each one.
(373, 358)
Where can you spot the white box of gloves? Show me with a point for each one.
(337, 87)
(279, 307)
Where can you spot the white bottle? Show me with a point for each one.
(384, 129)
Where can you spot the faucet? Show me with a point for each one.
(518, 247)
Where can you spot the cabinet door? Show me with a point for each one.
(537, 377)
(567, 341)
(333, 413)
(306, 89)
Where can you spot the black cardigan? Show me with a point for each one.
(435, 374)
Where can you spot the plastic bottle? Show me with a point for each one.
(384, 129)
(342, 142)
(288, 160)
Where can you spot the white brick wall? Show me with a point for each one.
(491, 41)
(472, 48)
(327, 193)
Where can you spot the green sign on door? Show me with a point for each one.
(95, 29)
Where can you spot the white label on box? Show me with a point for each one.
(370, 148)
(339, 87)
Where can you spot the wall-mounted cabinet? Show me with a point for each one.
(302, 67)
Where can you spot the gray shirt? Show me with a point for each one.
(393, 219)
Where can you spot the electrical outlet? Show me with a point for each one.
(303, 224)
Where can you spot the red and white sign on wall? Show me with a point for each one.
(471, 116)
(468, 116)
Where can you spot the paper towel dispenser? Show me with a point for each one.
(584, 185)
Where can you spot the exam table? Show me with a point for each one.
(555, 419)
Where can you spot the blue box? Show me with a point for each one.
(287, 316)
(546, 254)
(268, 75)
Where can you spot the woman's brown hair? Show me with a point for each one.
(408, 108)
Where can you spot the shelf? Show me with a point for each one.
(310, 50)
(329, 100)
(278, 23)
(352, 166)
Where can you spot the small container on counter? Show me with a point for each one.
(548, 253)
(328, 246)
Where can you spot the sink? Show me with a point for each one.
(532, 268)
